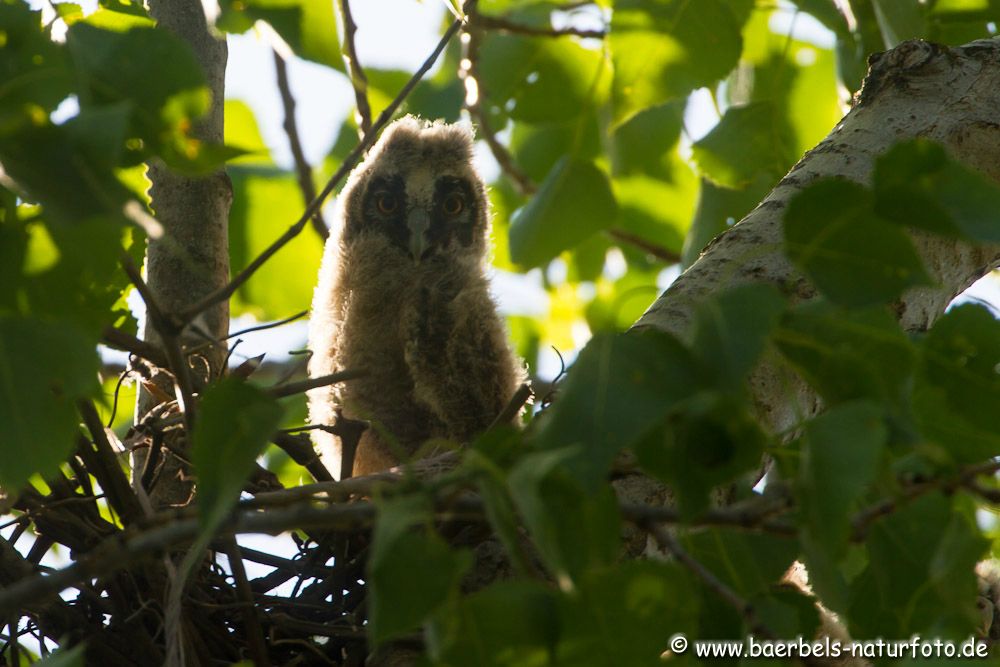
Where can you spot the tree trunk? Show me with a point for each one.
(192, 258)
(918, 89)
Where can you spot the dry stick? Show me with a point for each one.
(105, 467)
(293, 388)
(502, 24)
(302, 168)
(168, 331)
(120, 340)
(358, 79)
(300, 449)
(255, 636)
(227, 291)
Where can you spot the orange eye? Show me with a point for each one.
(453, 204)
(386, 203)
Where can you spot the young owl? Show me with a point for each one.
(403, 295)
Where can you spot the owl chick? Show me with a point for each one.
(403, 295)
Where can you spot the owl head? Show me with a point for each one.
(418, 190)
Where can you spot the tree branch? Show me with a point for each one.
(302, 168)
(357, 73)
(504, 25)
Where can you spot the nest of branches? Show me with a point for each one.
(125, 598)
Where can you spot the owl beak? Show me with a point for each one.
(418, 222)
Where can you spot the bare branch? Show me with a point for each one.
(656, 250)
(120, 340)
(348, 164)
(503, 25)
(358, 79)
(302, 168)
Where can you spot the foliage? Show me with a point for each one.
(604, 190)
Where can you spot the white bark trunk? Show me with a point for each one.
(918, 89)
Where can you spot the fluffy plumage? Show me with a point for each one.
(403, 295)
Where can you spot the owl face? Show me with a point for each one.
(418, 190)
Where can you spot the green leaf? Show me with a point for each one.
(620, 387)
(412, 571)
(900, 20)
(958, 385)
(626, 615)
(841, 450)
(849, 354)
(437, 99)
(731, 329)
(920, 576)
(575, 529)
(510, 624)
(265, 203)
(235, 423)
(72, 657)
(662, 51)
(157, 77)
(643, 144)
(657, 210)
(916, 184)
(749, 563)
(32, 67)
(748, 141)
(53, 164)
(537, 79)
(853, 256)
(308, 26)
(45, 367)
(537, 148)
(243, 133)
(573, 202)
(707, 441)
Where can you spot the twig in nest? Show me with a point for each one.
(292, 388)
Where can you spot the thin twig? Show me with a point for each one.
(357, 73)
(657, 251)
(120, 340)
(227, 291)
(302, 168)
(670, 543)
(513, 407)
(292, 388)
(504, 25)
(268, 325)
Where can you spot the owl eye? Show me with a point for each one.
(453, 204)
(386, 203)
